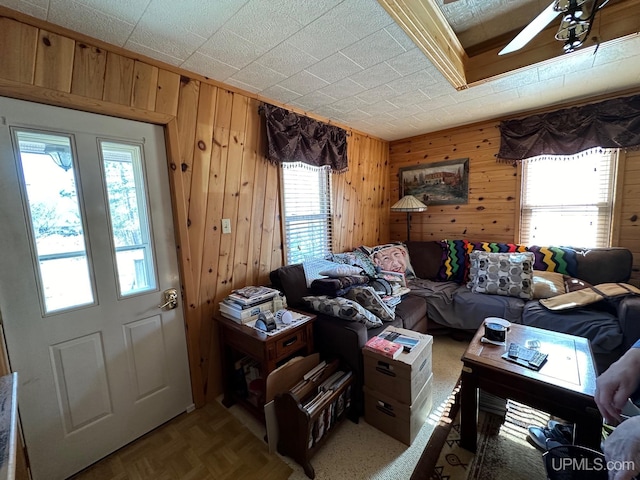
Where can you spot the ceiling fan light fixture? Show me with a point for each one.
(571, 28)
(568, 5)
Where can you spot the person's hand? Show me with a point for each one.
(622, 450)
(616, 384)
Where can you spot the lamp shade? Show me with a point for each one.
(408, 203)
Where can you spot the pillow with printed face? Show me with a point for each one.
(391, 257)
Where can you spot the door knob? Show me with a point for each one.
(170, 299)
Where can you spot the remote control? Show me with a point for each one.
(514, 349)
(538, 360)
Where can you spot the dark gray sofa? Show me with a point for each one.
(435, 307)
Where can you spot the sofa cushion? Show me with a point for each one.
(548, 284)
(368, 298)
(508, 274)
(604, 265)
(411, 310)
(426, 258)
(600, 327)
(291, 280)
(454, 261)
(343, 308)
(392, 257)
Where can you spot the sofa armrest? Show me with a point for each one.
(338, 338)
(629, 318)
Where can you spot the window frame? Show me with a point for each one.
(608, 206)
(324, 217)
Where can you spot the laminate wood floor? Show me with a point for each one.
(206, 444)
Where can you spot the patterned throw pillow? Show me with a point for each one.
(391, 257)
(355, 258)
(555, 259)
(369, 299)
(509, 274)
(343, 308)
(454, 261)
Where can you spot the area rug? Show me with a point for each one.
(503, 450)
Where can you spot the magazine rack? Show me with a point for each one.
(304, 430)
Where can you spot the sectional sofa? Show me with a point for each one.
(442, 300)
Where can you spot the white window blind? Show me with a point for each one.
(306, 193)
(567, 201)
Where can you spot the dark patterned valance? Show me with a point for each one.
(610, 124)
(296, 138)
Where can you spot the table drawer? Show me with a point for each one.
(290, 343)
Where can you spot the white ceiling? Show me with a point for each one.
(344, 60)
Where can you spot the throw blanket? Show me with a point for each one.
(588, 295)
(337, 287)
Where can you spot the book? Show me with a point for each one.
(234, 311)
(407, 342)
(384, 347)
(315, 370)
(253, 295)
(243, 302)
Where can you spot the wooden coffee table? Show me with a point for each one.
(564, 386)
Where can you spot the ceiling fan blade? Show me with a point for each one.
(534, 28)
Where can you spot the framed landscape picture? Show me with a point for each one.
(441, 183)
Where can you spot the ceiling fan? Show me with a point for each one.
(577, 18)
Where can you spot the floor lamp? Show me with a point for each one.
(408, 204)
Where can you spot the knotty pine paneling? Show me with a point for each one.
(490, 214)
(217, 169)
(492, 211)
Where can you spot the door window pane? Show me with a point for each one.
(129, 218)
(47, 164)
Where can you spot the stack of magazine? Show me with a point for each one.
(245, 304)
(319, 397)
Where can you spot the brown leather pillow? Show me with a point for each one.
(571, 284)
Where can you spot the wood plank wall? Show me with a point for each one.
(492, 213)
(215, 141)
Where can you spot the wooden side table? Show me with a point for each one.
(270, 351)
(564, 386)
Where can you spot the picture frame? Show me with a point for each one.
(439, 183)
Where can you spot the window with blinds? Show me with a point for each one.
(568, 201)
(306, 193)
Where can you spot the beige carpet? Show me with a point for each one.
(357, 451)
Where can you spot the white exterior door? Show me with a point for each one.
(87, 253)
